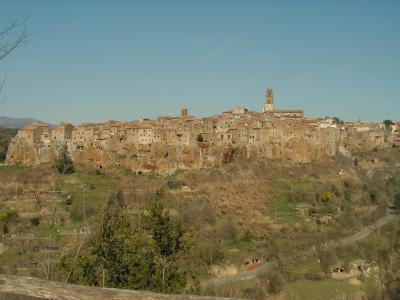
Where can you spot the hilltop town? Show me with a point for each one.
(171, 143)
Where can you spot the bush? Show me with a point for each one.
(346, 184)
(228, 230)
(373, 196)
(246, 236)
(7, 216)
(314, 276)
(211, 254)
(174, 184)
(69, 200)
(347, 195)
(5, 229)
(335, 190)
(253, 293)
(327, 196)
(396, 201)
(326, 260)
(64, 163)
(275, 283)
(35, 222)
(200, 138)
(81, 209)
(312, 211)
(208, 213)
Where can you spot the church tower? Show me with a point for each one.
(269, 101)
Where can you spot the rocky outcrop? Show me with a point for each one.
(167, 146)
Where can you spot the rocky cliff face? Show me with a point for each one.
(144, 151)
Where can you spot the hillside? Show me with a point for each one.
(245, 209)
(7, 122)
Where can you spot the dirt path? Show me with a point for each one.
(362, 234)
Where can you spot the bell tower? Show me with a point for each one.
(269, 101)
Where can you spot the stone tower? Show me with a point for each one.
(184, 112)
(269, 101)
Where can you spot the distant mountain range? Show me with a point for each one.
(6, 122)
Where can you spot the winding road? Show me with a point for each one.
(362, 234)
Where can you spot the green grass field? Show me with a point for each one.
(320, 290)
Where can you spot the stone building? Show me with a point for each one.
(32, 133)
(186, 142)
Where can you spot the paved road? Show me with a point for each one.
(362, 234)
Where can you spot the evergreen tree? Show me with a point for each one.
(64, 162)
(387, 124)
(172, 243)
(144, 257)
(116, 255)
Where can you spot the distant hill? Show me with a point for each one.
(6, 122)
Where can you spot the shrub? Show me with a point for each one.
(5, 229)
(208, 213)
(326, 260)
(392, 181)
(246, 236)
(373, 196)
(35, 222)
(200, 138)
(81, 209)
(69, 200)
(64, 163)
(211, 254)
(397, 201)
(253, 293)
(327, 196)
(174, 184)
(346, 184)
(347, 195)
(314, 276)
(7, 216)
(275, 282)
(191, 215)
(228, 230)
(312, 211)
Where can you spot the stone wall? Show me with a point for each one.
(27, 288)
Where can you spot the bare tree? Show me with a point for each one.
(3, 82)
(11, 37)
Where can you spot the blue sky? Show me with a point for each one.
(101, 60)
